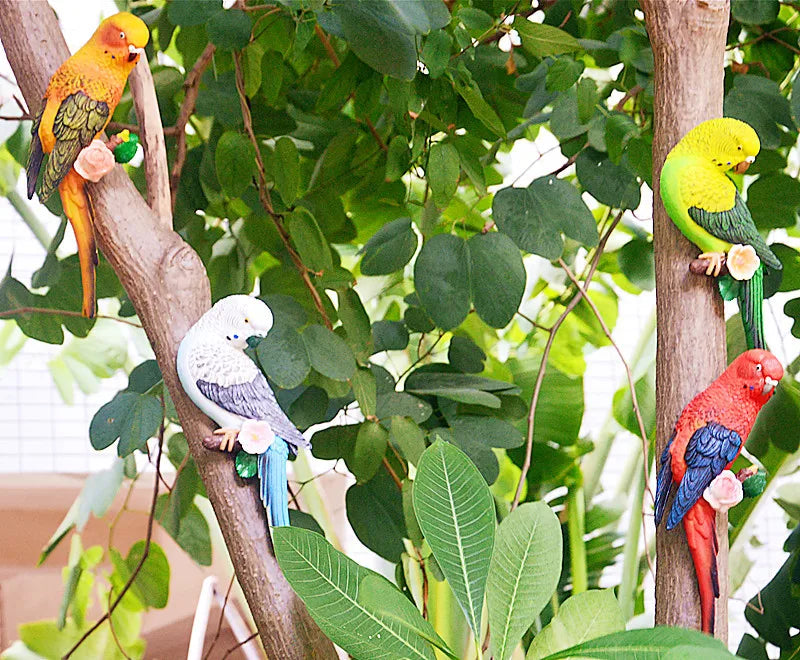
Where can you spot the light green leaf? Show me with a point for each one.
(443, 170)
(234, 158)
(329, 353)
(455, 511)
(332, 587)
(647, 644)
(309, 239)
(286, 169)
(408, 437)
(523, 574)
(471, 93)
(369, 450)
(580, 618)
(543, 40)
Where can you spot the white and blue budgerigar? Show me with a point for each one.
(229, 387)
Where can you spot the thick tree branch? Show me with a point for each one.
(167, 284)
(688, 40)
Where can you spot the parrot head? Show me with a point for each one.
(759, 371)
(728, 143)
(123, 36)
(235, 318)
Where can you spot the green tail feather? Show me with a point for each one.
(751, 307)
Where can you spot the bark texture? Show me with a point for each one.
(688, 40)
(167, 283)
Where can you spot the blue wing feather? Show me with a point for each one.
(254, 400)
(663, 481)
(709, 450)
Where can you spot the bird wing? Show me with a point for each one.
(78, 120)
(254, 400)
(35, 153)
(664, 481)
(709, 450)
(735, 225)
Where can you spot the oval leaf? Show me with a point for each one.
(497, 276)
(455, 511)
(441, 274)
(390, 248)
(329, 353)
(234, 158)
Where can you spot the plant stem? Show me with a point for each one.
(29, 218)
(630, 562)
(576, 524)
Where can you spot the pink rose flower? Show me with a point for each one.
(256, 436)
(742, 262)
(95, 161)
(724, 492)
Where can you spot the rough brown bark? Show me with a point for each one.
(167, 283)
(688, 40)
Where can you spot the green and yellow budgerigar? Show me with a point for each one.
(706, 206)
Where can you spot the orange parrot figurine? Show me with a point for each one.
(707, 438)
(77, 105)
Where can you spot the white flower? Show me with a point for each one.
(742, 262)
(256, 436)
(724, 492)
(95, 161)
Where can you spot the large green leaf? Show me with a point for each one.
(336, 592)
(455, 511)
(648, 644)
(234, 158)
(497, 277)
(375, 512)
(441, 275)
(443, 170)
(542, 40)
(382, 32)
(390, 248)
(580, 618)
(523, 573)
(328, 353)
(536, 216)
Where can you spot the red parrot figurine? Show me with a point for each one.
(708, 437)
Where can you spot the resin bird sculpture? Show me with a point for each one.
(708, 437)
(77, 106)
(228, 386)
(706, 206)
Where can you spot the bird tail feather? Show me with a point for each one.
(272, 478)
(701, 535)
(78, 209)
(751, 304)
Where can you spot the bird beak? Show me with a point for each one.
(769, 385)
(741, 168)
(134, 52)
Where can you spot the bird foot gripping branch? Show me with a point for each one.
(77, 106)
(707, 438)
(221, 380)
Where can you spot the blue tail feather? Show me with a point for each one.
(272, 480)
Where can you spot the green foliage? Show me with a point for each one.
(408, 277)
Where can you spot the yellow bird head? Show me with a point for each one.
(123, 36)
(728, 143)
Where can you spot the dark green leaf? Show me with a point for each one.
(542, 40)
(309, 239)
(563, 74)
(465, 355)
(389, 336)
(286, 169)
(408, 437)
(230, 29)
(192, 12)
(375, 512)
(755, 12)
(441, 275)
(390, 248)
(774, 200)
(436, 52)
(610, 184)
(283, 357)
(497, 276)
(140, 423)
(636, 262)
(535, 217)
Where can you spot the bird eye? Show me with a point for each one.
(247, 320)
(228, 338)
(758, 367)
(236, 336)
(739, 148)
(121, 35)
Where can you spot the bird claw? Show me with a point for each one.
(229, 437)
(715, 259)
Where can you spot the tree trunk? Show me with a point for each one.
(688, 40)
(167, 283)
